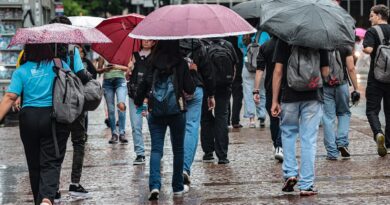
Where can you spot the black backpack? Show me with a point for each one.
(222, 61)
(140, 68)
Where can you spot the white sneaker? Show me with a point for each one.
(180, 193)
(279, 154)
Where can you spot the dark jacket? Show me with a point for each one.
(165, 64)
(193, 49)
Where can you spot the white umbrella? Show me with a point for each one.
(86, 21)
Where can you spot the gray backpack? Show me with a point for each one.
(68, 95)
(93, 94)
(303, 69)
(382, 58)
(251, 55)
(336, 69)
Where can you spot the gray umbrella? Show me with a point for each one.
(249, 9)
(310, 23)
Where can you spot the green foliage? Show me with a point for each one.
(73, 8)
(99, 7)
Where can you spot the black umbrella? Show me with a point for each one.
(310, 23)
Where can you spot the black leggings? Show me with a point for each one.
(43, 165)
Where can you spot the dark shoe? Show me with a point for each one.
(344, 151)
(223, 161)
(78, 191)
(380, 142)
(262, 122)
(331, 158)
(208, 157)
(123, 139)
(107, 122)
(237, 126)
(289, 184)
(154, 194)
(186, 178)
(114, 139)
(139, 160)
(309, 192)
(57, 198)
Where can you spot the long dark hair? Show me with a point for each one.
(166, 54)
(38, 52)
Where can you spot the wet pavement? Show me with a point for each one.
(252, 177)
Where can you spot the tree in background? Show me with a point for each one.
(73, 8)
(95, 7)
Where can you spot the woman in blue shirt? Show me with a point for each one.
(33, 81)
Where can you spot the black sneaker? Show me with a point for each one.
(208, 157)
(107, 122)
(237, 126)
(186, 178)
(139, 160)
(223, 161)
(123, 139)
(262, 122)
(57, 198)
(78, 191)
(114, 139)
(309, 192)
(154, 194)
(289, 184)
(344, 151)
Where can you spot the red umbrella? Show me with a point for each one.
(191, 21)
(122, 46)
(58, 33)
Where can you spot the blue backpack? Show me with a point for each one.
(163, 95)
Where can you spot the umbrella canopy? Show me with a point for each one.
(310, 23)
(122, 46)
(248, 9)
(85, 21)
(58, 33)
(361, 32)
(191, 21)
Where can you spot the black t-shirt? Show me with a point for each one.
(282, 54)
(90, 67)
(265, 61)
(371, 39)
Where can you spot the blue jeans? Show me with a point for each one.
(158, 127)
(250, 107)
(336, 103)
(303, 119)
(136, 129)
(194, 110)
(118, 87)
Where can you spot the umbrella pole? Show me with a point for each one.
(55, 50)
(192, 48)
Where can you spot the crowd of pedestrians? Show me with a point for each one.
(187, 86)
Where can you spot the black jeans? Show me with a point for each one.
(237, 93)
(43, 166)
(214, 129)
(274, 122)
(375, 92)
(78, 130)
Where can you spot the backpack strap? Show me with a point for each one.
(57, 65)
(378, 29)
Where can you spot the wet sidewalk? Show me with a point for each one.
(252, 177)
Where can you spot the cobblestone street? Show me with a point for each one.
(252, 177)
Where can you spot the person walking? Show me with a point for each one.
(251, 110)
(336, 102)
(214, 122)
(137, 68)
(376, 90)
(114, 84)
(196, 55)
(166, 80)
(71, 55)
(300, 111)
(33, 81)
(265, 62)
